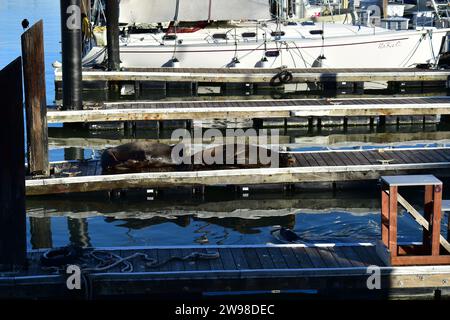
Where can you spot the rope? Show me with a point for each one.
(107, 261)
(282, 77)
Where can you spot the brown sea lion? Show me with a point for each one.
(239, 156)
(156, 157)
(137, 157)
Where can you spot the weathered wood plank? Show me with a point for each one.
(227, 259)
(35, 99)
(350, 255)
(315, 258)
(265, 258)
(252, 259)
(240, 259)
(328, 258)
(302, 257)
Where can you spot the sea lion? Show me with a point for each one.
(239, 156)
(137, 157)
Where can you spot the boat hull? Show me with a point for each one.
(384, 50)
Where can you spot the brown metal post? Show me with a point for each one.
(393, 221)
(427, 212)
(35, 99)
(436, 221)
(12, 169)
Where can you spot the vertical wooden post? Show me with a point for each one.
(35, 99)
(112, 29)
(436, 221)
(427, 213)
(12, 168)
(393, 220)
(71, 54)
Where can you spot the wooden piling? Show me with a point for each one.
(12, 169)
(112, 27)
(35, 99)
(71, 54)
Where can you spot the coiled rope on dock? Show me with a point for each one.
(57, 261)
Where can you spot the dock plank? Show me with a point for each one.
(328, 258)
(265, 258)
(302, 257)
(315, 258)
(320, 166)
(252, 259)
(227, 259)
(240, 259)
(350, 255)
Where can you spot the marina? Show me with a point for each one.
(360, 185)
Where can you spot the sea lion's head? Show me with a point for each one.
(109, 159)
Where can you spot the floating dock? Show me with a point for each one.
(206, 110)
(259, 75)
(318, 166)
(314, 270)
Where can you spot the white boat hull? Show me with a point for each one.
(383, 50)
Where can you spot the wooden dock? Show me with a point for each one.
(317, 270)
(222, 75)
(58, 140)
(206, 110)
(318, 166)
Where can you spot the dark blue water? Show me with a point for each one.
(86, 222)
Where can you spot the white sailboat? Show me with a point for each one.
(258, 42)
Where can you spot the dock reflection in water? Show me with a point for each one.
(317, 217)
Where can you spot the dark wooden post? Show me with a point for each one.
(35, 99)
(112, 29)
(12, 168)
(71, 54)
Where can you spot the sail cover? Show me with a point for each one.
(146, 11)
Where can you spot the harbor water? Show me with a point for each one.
(220, 217)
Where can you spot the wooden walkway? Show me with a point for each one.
(260, 75)
(319, 166)
(207, 110)
(357, 138)
(321, 268)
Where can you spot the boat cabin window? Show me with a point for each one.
(272, 53)
(278, 33)
(308, 23)
(220, 36)
(316, 32)
(249, 35)
(170, 37)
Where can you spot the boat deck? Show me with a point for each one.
(318, 166)
(315, 269)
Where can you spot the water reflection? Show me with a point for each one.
(317, 217)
